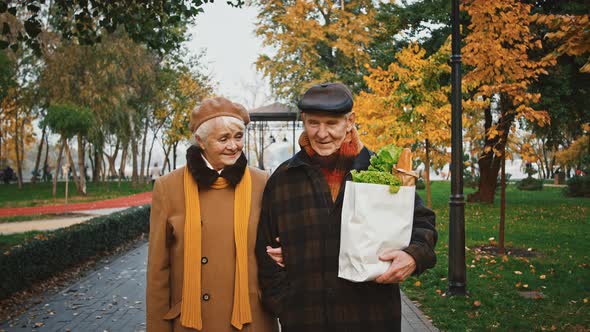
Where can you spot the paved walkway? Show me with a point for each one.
(112, 298)
(55, 223)
(132, 200)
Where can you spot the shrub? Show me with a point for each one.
(530, 183)
(420, 184)
(578, 186)
(55, 251)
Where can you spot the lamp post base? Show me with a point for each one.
(457, 289)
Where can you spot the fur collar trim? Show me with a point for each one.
(206, 176)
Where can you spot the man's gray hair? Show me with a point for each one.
(204, 130)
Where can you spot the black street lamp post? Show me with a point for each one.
(457, 276)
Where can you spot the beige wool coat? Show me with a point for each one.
(166, 257)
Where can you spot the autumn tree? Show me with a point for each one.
(572, 33)
(564, 95)
(17, 108)
(189, 88)
(7, 83)
(69, 120)
(256, 96)
(400, 23)
(315, 41)
(408, 105)
(577, 155)
(113, 80)
(158, 24)
(566, 32)
(501, 67)
(164, 80)
(16, 125)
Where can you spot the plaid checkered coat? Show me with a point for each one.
(307, 294)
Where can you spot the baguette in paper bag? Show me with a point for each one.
(403, 168)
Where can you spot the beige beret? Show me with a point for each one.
(213, 107)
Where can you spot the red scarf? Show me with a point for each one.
(335, 166)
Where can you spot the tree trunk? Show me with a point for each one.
(103, 173)
(166, 160)
(22, 152)
(175, 145)
(541, 173)
(19, 171)
(38, 159)
(46, 160)
(95, 163)
(90, 159)
(502, 206)
(81, 163)
(552, 163)
(134, 179)
(489, 163)
(254, 146)
(147, 166)
(134, 175)
(261, 151)
(152, 147)
(1, 159)
(58, 166)
(123, 162)
(142, 174)
(427, 175)
(111, 159)
(547, 167)
(73, 168)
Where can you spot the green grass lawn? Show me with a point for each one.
(37, 217)
(40, 193)
(552, 231)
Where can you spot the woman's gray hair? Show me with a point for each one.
(204, 130)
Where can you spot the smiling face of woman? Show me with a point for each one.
(222, 141)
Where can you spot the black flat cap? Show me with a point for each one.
(333, 98)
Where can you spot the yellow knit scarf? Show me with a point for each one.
(191, 288)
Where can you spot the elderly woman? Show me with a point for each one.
(202, 272)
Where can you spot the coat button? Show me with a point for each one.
(206, 297)
(204, 260)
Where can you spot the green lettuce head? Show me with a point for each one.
(385, 158)
(379, 172)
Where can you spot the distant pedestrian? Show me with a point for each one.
(154, 173)
(8, 174)
(46, 173)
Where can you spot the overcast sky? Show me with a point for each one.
(227, 35)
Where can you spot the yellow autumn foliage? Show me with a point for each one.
(312, 41)
(571, 31)
(497, 51)
(407, 104)
(572, 155)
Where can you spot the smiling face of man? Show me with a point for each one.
(327, 132)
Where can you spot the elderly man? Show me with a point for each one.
(301, 208)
